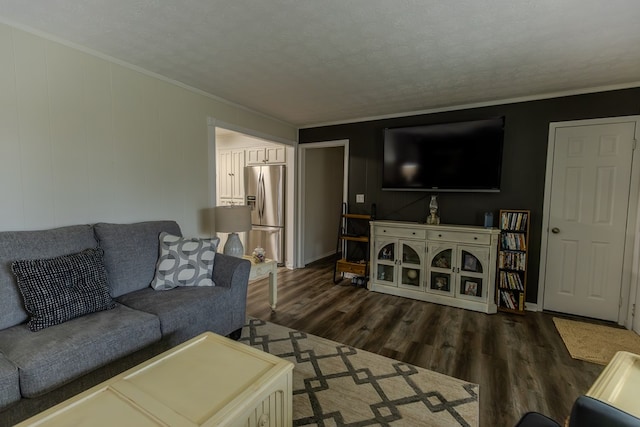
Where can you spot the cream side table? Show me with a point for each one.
(207, 381)
(260, 270)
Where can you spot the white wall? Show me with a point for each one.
(84, 139)
(323, 169)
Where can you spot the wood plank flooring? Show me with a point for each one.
(520, 362)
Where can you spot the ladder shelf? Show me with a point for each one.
(352, 251)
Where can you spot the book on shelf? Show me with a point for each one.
(511, 280)
(509, 300)
(516, 221)
(521, 301)
(512, 260)
(514, 241)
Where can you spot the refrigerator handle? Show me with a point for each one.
(260, 196)
(263, 196)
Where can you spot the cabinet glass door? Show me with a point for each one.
(473, 263)
(385, 262)
(411, 264)
(441, 269)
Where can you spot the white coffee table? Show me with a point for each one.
(207, 381)
(260, 270)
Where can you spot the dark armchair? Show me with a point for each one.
(586, 412)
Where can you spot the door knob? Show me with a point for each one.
(555, 230)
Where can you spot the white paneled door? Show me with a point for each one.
(589, 203)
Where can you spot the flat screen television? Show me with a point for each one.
(462, 156)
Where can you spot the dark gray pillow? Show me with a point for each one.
(59, 289)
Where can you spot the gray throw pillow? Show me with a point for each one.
(184, 262)
(62, 288)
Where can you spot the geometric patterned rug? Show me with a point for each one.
(338, 385)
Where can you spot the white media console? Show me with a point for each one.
(446, 264)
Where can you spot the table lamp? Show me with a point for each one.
(233, 220)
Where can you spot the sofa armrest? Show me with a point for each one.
(536, 419)
(587, 412)
(230, 271)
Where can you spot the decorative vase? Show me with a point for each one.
(433, 217)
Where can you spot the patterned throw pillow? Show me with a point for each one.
(184, 262)
(59, 289)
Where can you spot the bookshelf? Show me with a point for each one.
(511, 286)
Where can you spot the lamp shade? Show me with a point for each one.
(233, 219)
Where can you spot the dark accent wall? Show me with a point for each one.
(523, 167)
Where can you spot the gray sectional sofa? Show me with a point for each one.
(40, 369)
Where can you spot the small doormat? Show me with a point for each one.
(338, 385)
(595, 343)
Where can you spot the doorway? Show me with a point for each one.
(232, 149)
(590, 209)
(323, 187)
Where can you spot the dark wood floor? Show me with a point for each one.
(520, 362)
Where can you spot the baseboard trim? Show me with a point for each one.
(319, 257)
(531, 306)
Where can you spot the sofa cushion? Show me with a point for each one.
(184, 262)
(9, 383)
(16, 245)
(61, 353)
(188, 311)
(62, 288)
(131, 252)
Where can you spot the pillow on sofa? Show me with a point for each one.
(184, 262)
(62, 288)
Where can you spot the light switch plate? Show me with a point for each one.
(359, 198)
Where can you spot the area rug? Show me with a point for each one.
(338, 385)
(595, 343)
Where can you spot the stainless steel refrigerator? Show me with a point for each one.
(265, 193)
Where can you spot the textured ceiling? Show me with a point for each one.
(316, 61)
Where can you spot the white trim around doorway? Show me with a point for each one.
(301, 187)
(290, 145)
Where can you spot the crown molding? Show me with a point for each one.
(538, 97)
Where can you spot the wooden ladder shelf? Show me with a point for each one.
(352, 251)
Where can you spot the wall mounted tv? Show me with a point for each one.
(462, 156)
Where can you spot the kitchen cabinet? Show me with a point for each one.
(265, 155)
(231, 177)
